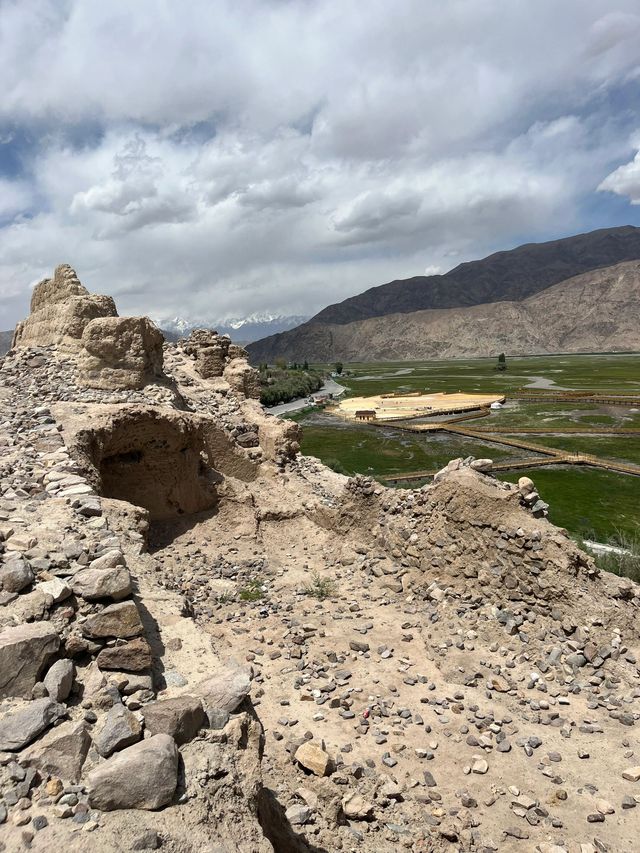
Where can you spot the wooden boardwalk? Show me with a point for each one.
(509, 438)
(516, 430)
(539, 396)
(537, 462)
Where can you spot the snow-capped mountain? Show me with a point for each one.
(240, 330)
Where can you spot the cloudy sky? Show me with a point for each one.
(211, 159)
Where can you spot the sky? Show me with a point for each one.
(213, 159)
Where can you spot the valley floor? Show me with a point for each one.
(597, 504)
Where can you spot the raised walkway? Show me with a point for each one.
(509, 437)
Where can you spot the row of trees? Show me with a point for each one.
(283, 384)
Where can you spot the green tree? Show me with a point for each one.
(338, 367)
(502, 362)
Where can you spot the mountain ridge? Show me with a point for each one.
(595, 311)
(512, 275)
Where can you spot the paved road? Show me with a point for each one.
(329, 387)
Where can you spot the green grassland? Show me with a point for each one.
(384, 453)
(606, 372)
(619, 447)
(590, 503)
(557, 415)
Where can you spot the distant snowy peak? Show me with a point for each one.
(246, 329)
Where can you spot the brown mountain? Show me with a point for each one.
(5, 342)
(598, 311)
(513, 275)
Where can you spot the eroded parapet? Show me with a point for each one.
(61, 308)
(215, 356)
(279, 438)
(120, 352)
(209, 350)
(243, 378)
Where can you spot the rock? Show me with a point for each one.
(24, 652)
(313, 758)
(298, 815)
(181, 717)
(149, 840)
(128, 682)
(119, 729)
(120, 352)
(143, 776)
(525, 485)
(356, 807)
(56, 589)
(61, 752)
(134, 656)
(632, 774)
(20, 542)
(94, 584)
(604, 806)
(117, 620)
(60, 309)
(481, 464)
(19, 728)
(59, 680)
(15, 576)
(479, 766)
(110, 560)
(225, 690)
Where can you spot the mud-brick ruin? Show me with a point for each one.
(209, 642)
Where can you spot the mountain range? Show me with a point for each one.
(483, 307)
(240, 330)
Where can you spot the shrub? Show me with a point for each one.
(252, 591)
(320, 587)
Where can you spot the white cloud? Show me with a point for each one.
(251, 156)
(625, 180)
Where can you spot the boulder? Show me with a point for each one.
(15, 575)
(59, 680)
(117, 620)
(61, 307)
(181, 717)
(129, 682)
(61, 752)
(143, 776)
(120, 352)
(108, 561)
(55, 589)
(225, 690)
(19, 728)
(356, 807)
(525, 485)
(312, 757)
(134, 656)
(119, 729)
(94, 584)
(481, 464)
(24, 652)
